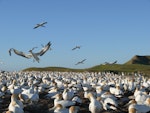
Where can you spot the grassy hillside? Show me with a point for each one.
(112, 68)
(139, 60)
(122, 68)
(62, 69)
(138, 63)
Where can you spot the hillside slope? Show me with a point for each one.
(136, 64)
(145, 60)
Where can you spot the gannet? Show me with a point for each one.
(80, 62)
(40, 25)
(108, 63)
(77, 47)
(139, 108)
(95, 106)
(67, 94)
(110, 103)
(16, 106)
(53, 91)
(64, 103)
(116, 91)
(32, 54)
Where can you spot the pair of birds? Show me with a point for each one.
(31, 53)
(64, 106)
(82, 61)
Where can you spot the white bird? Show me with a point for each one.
(139, 108)
(34, 97)
(16, 106)
(52, 92)
(77, 99)
(40, 25)
(95, 106)
(131, 85)
(67, 94)
(116, 91)
(110, 103)
(32, 54)
(64, 103)
(141, 97)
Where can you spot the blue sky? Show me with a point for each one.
(107, 30)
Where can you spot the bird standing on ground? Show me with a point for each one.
(95, 106)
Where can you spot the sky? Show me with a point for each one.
(106, 30)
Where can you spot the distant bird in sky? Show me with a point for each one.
(31, 53)
(110, 62)
(40, 25)
(77, 47)
(80, 62)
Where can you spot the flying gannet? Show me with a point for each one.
(80, 62)
(77, 47)
(107, 63)
(31, 53)
(40, 25)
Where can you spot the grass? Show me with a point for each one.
(61, 69)
(117, 68)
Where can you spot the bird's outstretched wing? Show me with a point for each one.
(114, 62)
(83, 60)
(44, 49)
(74, 48)
(20, 53)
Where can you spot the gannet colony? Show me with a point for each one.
(73, 92)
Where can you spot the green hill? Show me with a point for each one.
(145, 60)
(62, 69)
(117, 68)
(122, 68)
(140, 64)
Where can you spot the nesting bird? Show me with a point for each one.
(15, 106)
(95, 106)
